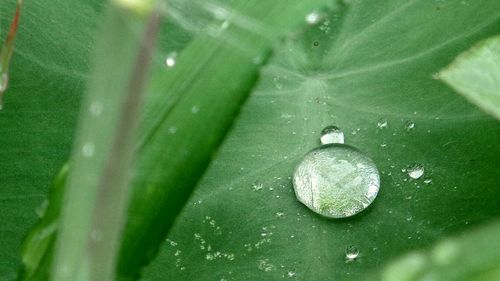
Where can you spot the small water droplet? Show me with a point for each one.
(416, 171)
(316, 43)
(171, 59)
(351, 253)
(88, 150)
(195, 109)
(409, 125)
(331, 134)
(313, 18)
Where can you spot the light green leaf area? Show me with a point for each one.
(372, 63)
(476, 75)
(474, 256)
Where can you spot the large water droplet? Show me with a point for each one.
(351, 253)
(416, 171)
(336, 181)
(331, 134)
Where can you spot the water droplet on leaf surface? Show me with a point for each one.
(415, 171)
(331, 134)
(171, 59)
(351, 253)
(313, 18)
(336, 181)
(409, 126)
(382, 124)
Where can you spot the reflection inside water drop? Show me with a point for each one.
(336, 180)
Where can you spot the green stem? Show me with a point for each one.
(98, 187)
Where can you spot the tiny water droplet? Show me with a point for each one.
(351, 253)
(171, 59)
(277, 83)
(96, 108)
(172, 130)
(265, 265)
(257, 186)
(195, 109)
(416, 171)
(313, 18)
(331, 134)
(316, 43)
(88, 149)
(409, 125)
(224, 25)
(382, 124)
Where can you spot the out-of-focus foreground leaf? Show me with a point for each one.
(476, 75)
(474, 256)
(368, 69)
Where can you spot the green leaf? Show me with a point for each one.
(476, 75)
(373, 62)
(181, 101)
(473, 256)
(47, 74)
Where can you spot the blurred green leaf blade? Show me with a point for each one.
(476, 75)
(472, 256)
